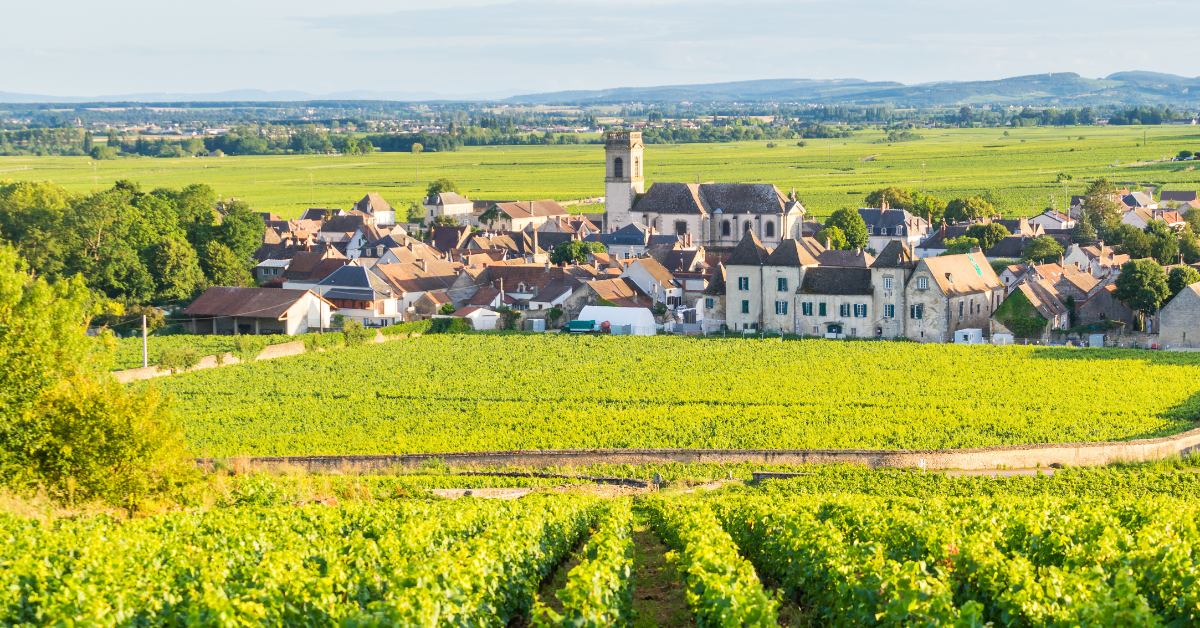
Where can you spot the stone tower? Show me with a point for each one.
(622, 175)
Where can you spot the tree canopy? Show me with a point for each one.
(1181, 277)
(1042, 250)
(1142, 285)
(964, 209)
(850, 222)
(441, 185)
(833, 238)
(574, 251)
(988, 235)
(960, 245)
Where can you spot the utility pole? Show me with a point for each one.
(922, 177)
(145, 355)
(310, 189)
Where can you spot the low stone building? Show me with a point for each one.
(227, 310)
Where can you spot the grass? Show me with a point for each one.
(553, 392)
(1020, 168)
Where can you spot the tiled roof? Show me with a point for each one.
(622, 292)
(656, 270)
(1178, 196)
(444, 198)
(372, 203)
(552, 291)
(846, 259)
(963, 274)
(484, 296)
(250, 302)
(1043, 298)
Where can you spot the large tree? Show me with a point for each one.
(574, 251)
(225, 268)
(963, 209)
(1181, 277)
(929, 207)
(989, 235)
(832, 238)
(1142, 285)
(1099, 208)
(852, 225)
(898, 198)
(176, 270)
(1042, 250)
(441, 185)
(960, 245)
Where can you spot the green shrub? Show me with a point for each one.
(356, 334)
(448, 326)
(247, 348)
(417, 327)
(178, 358)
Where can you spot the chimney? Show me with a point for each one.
(828, 242)
(424, 266)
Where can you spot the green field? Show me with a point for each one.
(1020, 168)
(445, 393)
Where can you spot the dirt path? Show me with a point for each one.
(870, 157)
(659, 597)
(482, 493)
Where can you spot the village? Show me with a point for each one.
(696, 258)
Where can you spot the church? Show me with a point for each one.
(713, 214)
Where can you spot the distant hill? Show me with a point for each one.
(1064, 88)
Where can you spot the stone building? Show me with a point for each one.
(708, 214)
(890, 273)
(1179, 319)
(948, 293)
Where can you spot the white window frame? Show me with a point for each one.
(889, 310)
(781, 307)
(887, 283)
(922, 283)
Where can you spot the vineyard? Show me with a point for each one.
(447, 393)
(841, 546)
(1020, 168)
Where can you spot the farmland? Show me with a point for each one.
(509, 392)
(1020, 169)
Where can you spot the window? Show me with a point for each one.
(769, 229)
(960, 309)
(781, 284)
(618, 168)
(889, 311)
(870, 230)
(816, 330)
(853, 331)
(725, 228)
(781, 307)
(860, 310)
(844, 309)
(708, 304)
(680, 227)
(922, 283)
(743, 283)
(745, 307)
(887, 283)
(806, 308)
(821, 309)
(916, 311)
(745, 227)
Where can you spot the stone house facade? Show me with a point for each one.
(945, 294)
(1179, 319)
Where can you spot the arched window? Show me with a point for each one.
(680, 227)
(637, 167)
(769, 229)
(746, 227)
(618, 168)
(725, 228)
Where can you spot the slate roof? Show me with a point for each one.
(1137, 199)
(249, 302)
(314, 266)
(748, 252)
(344, 224)
(444, 198)
(676, 259)
(791, 253)
(484, 297)
(446, 238)
(887, 218)
(895, 255)
(551, 291)
(1012, 247)
(846, 259)
(706, 198)
(353, 282)
(1178, 196)
(716, 285)
(837, 281)
(315, 213)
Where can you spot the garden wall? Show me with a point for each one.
(981, 458)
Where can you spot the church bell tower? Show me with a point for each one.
(622, 176)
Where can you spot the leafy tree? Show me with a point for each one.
(508, 318)
(1142, 285)
(1083, 233)
(1189, 245)
(101, 153)
(1099, 209)
(1181, 277)
(447, 308)
(224, 268)
(896, 197)
(554, 314)
(178, 359)
(32, 218)
(101, 239)
(1164, 242)
(241, 230)
(1042, 250)
(356, 334)
(1183, 154)
(835, 238)
(960, 245)
(988, 235)
(965, 209)
(441, 185)
(574, 251)
(65, 422)
(929, 207)
(445, 221)
(417, 148)
(1192, 216)
(176, 271)
(852, 225)
(89, 142)
(490, 216)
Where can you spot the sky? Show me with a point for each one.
(498, 48)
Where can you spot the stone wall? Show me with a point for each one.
(982, 458)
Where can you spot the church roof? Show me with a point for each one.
(711, 198)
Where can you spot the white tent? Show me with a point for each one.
(637, 321)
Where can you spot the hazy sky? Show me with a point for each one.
(477, 46)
